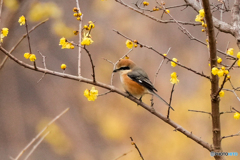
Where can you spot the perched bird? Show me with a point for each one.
(135, 80)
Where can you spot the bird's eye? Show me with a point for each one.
(124, 68)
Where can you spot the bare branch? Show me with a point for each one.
(39, 134)
(44, 64)
(124, 154)
(170, 101)
(20, 40)
(93, 70)
(200, 112)
(220, 25)
(153, 18)
(161, 54)
(139, 152)
(113, 89)
(79, 39)
(36, 145)
(233, 135)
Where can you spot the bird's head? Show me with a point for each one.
(124, 65)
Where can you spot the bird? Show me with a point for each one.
(135, 80)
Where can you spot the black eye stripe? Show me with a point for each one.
(124, 68)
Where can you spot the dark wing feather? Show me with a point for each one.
(141, 78)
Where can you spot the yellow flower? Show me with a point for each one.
(62, 41)
(129, 44)
(228, 77)
(202, 13)
(86, 93)
(236, 115)
(91, 95)
(63, 66)
(5, 32)
(145, 3)
(221, 93)
(91, 25)
(174, 79)
(214, 71)
(220, 73)
(22, 20)
(230, 51)
(198, 18)
(32, 57)
(167, 11)
(238, 55)
(86, 39)
(223, 68)
(1, 36)
(226, 71)
(238, 63)
(26, 55)
(219, 60)
(173, 64)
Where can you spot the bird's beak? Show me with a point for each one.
(115, 70)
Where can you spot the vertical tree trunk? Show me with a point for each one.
(216, 127)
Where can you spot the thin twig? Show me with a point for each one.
(153, 18)
(19, 41)
(44, 64)
(114, 66)
(29, 45)
(156, 74)
(233, 135)
(233, 93)
(133, 143)
(124, 154)
(39, 134)
(115, 90)
(161, 54)
(225, 79)
(1, 4)
(36, 145)
(80, 39)
(170, 101)
(200, 111)
(93, 70)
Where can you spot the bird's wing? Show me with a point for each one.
(139, 76)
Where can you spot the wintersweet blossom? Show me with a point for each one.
(5, 32)
(236, 115)
(173, 64)
(230, 51)
(174, 79)
(91, 94)
(63, 66)
(221, 93)
(26, 55)
(32, 57)
(22, 20)
(214, 71)
(129, 44)
(87, 40)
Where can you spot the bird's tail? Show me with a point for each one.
(162, 99)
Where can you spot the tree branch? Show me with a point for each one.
(216, 128)
(153, 18)
(151, 48)
(113, 89)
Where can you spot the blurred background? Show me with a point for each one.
(100, 130)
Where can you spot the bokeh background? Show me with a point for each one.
(100, 130)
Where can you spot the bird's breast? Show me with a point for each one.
(132, 87)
